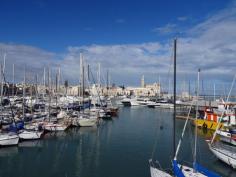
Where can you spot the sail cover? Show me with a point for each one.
(204, 171)
(177, 171)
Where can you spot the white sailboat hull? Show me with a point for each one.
(226, 137)
(87, 122)
(8, 140)
(130, 102)
(158, 173)
(55, 127)
(224, 155)
(166, 105)
(30, 135)
(84, 122)
(134, 103)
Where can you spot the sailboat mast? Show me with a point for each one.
(81, 74)
(107, 81)
(83, 87)
(49, 95)
(214, 92)
(174, 114)
(44, 82)
(59, 78)
(195, 140)
(36, 87)
(23, 103)
(189, 90)
(99, 78)
(13, 79)
(2, 75)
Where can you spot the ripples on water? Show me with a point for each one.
(117, 148)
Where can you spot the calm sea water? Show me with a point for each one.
(117, 148)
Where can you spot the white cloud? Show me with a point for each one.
(31, 58)
(210, 45)
(167, 29)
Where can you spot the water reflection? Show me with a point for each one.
(115, 148)
(31, 144)
(9, 151)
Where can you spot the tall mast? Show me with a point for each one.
(4, 63)
(13, 79)
(107, 81)
(99, 74)
(174, 114)
(44, 82)
(169, 95)
(2, 76)
(159, 80)
(83, 87)
(189, 87)
(195, 140)
(59, 78)
(214, 92)
(49, 95)
(88, 73)
(56, 89)
(36, 87)
(81, 74)
(23, 104)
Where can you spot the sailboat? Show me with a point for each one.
(51, 125)
(6, 138)
(9, 139)
(223, 152)
(197, 170)
(154, 170)
(28, 134)
(178, 169)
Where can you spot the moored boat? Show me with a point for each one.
(9, 139)
(53, 126)
(223, 152)
(30, 134)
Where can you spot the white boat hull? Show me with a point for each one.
(226, 137)
(166, 106)
(134, 103)
(87, 122)
(9, 140)
(55, 127)
(224, 155)
(84, 122)
(30, 135)
(158, 173)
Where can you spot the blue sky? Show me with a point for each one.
(131, 38)
(54, 25)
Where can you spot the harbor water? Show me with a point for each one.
(120, 147)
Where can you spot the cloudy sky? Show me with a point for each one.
(130, 39)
